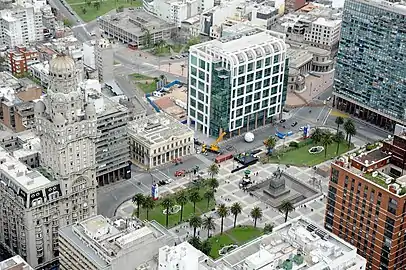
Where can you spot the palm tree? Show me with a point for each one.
(205, 247)
(268, 228)
(163, 78)
(286, 207)
(270, 144)
(214, 183)
(223, 212)
(351, 131)
(194, 197)
(326, 140)
(256, 213)
(148, 204)
(195, 222)
(213, 170)
(88, 2)
(167, 203)
(181, 199)
(317, 135)
(235, 209)
(195, 242)
(339, 121)
(84, 10)
(338, 138)
(182, 68)
(209, 225)
(138, 199)
(348, 125)
(208, 195)
(169, 67)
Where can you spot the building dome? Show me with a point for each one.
(59, 119)
(62, 64)
(39, 107)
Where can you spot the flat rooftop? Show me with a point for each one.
(136, 20)
(17, 171)
(249, 43)
(298, 57)
(15, 263)
(157, 128)
(306, 245)
(102, 240)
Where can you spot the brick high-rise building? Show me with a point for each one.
(367, 203)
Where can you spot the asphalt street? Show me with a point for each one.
(110, 197)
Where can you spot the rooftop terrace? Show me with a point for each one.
(374, 164)
(297, 244)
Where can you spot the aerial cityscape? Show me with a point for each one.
(203, 134)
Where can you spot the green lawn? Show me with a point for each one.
(140, 77)
(157, 213)
(302, 157)
(92, 13)
(147, 87)
(238, 236)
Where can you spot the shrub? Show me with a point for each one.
(294, 144)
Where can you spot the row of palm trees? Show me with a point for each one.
(182, 198)
(327, 138)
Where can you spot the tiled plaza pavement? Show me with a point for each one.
(229, 192)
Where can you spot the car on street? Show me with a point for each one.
(301, 128)
(172, 58)
(282, 121)
(180, 173)
(294, 124)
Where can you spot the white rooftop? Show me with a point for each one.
(13, 262)
(157, 128)
(17, 171)
(328, 23)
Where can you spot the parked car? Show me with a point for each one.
(294, 124)
(301, 128)
(180, 173)
(282, 121)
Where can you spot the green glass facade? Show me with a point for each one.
(371, 61)
(220, 99)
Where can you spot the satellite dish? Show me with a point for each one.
(249, 137)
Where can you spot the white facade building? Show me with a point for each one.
(21, 24)
(98, 243)
(40, 72)
(89, 54)
(62, 190)
(297, 244)
(175, 11)
(236, 83)
(158, 139)
(323, 33)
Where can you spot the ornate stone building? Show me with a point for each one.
(62, 191)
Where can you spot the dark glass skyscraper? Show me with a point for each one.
(371, 63)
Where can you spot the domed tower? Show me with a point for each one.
(64, 95)
(67, 129)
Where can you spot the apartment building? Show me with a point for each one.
(175, 11)
(104, 60)
(324, 34)
(236, 83)
(367, 200)
(15, 263)
(62, 190)
(22, 24)
(371, 62)
(99, 243)
(20, 59)
(17, 102)
(296, 244)
(112, 146)
(158, 139)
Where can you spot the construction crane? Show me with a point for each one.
(214, 146)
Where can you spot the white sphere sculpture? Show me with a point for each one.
(249, 137)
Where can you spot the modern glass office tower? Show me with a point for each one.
(236, 83)
(371, 64)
